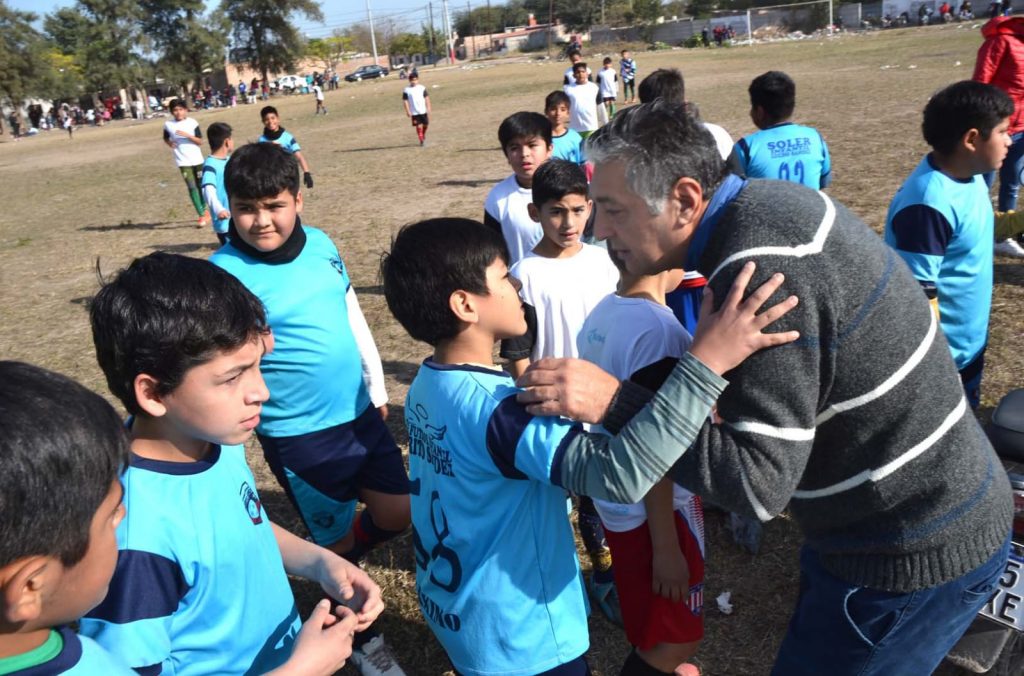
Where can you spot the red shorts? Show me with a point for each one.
(649, 618)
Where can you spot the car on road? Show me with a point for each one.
(289, 83)
(366, 73)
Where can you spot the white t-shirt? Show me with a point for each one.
(609, 83)
(506, 205)
(186, 152)
(319, 92)
(623, 336)
(564, 291)
(583, 106)
(722, 139)
(568, 79)
(416, 95)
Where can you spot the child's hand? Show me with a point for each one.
(223, 213)
(383, 410)
(323, 643)
(349, 584)
(671, 578)
(725, 338)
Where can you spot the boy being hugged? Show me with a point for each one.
(274, 133)
(941, 223)
(323, 429)
(179, 341)
(500, 586)
(183, 136)
(657, 544)
(216, 195)
(525, 139)
(782, 149)
(62, 448)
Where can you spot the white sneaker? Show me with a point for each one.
(1009, 247)
(375, 658)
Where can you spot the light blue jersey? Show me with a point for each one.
(77, 656)
(943, 228)
(315, 372)
(285, 140)
(213, 174)
(496, 568)
(788, 152)
(568, 146)
(200, 587)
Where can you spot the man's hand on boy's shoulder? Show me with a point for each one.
(350, 584)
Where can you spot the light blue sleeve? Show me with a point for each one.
(524, 447)
(826, 164)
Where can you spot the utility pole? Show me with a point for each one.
(472, 33)
(551, 23)
(430, 14)
(448, 43)
(373, 38)
(490, 25)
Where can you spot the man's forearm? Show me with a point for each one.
(623, 468)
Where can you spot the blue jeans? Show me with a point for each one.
(1009, 173)
(841, 629)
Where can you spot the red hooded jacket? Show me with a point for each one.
(1001, 62)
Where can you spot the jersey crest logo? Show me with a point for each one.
(323, 519)
(696, 600)
(338, 265)
(251, 502)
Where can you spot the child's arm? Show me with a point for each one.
(517, 350)
(167, 139)
(210, 195)
(307, 177)
(517, 367)
(341, 580)
(426, 97)
(671, 572)
(373, 370)
(405, 102)
(912, 226)
(323, 643)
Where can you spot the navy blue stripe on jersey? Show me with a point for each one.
(745, 147)
(67, 658)
(151, 670)
(176, 468)
(556, 460)
(437, 366)
(150, 586)
(922, 229)
(503, 432)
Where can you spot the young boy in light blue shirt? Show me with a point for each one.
(214, 192)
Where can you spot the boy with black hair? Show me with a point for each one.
(584, 98)
(525, 139)
(782, 149)
(416, 100)
(941, 221)
(62, 448)
(180, 341)
(274, 133)
(566, 144)
(183, 136)
(627, 69)
(575, 56)
(216, 195)
(608, 82)
(323, 428)
(499, 585)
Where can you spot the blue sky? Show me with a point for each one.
(337, 13)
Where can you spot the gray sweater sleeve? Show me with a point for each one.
(624, 467)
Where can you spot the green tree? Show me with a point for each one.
(701, 9)
(67, 29)
(331, 51)
(188, 40)
(23, 57)
(265, 37)
(407, 43)
(110, 49)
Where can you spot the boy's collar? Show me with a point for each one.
(272, 135)
(285, 253)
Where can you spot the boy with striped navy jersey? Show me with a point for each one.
(941, 223)
(274, 133)
(62, 448)
(500, 587)
(323, 429)
(782, 149)
(214, 192)
(179, 341)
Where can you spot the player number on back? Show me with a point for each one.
(797, 173)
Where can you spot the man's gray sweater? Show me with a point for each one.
(860, 426)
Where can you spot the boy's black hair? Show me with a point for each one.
(556, 97)
(258, 170)
(177, 103)
(431, 260)
(607, 60)
(216, 134)
(960, 107)
(664, 83)
(623, 51)
(266, 110)
(165, 314)
(555, 179)
(579, 65)
(61, 449)
(524, 124)
(775, 92)
(573, 52)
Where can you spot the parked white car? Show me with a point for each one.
(289, 83)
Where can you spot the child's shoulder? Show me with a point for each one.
(471, 390)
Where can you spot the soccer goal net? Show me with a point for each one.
(790, 21)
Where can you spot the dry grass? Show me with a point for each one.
(112, 194)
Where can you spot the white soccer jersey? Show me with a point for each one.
(506, 207)
(608, 80)
(318, 92)
(568, 78)
(416, 95)
(186, 152)
(564, 291)
(622, 336)
(582, 106)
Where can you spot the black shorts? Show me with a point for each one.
(420, 119)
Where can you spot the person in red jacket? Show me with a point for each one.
(1001, 63)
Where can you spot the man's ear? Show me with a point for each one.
(22, 584)
(688, 197)
(147, 394)
(463, 305)
(534, 212)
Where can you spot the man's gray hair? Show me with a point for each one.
(658, 143)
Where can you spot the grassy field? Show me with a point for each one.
(112, 194)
